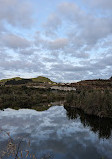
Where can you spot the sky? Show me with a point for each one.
(64, 40)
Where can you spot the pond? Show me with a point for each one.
(58, 133)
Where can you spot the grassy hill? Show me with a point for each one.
(18, 80)
(41, 79)
(15, 78)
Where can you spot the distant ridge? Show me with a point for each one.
(42, 79)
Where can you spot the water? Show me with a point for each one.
(62, 133)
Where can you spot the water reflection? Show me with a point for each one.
(102, 126)
(51, 132)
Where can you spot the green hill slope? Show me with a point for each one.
(15, 78)
(41, 79)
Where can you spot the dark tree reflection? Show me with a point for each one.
(102, 126)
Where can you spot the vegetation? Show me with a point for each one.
(41, 79)
(14, 149)
(93, 102)
(25, 97)
(94, 84)
(18, 82)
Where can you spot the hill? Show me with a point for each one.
(15, 78)
(19, 81)
(95, 83)
(41, 79)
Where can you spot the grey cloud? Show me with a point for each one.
(57, 44)
(74, 52)
(50, 60)
(70, 10)
(104, 61)
(14, 41)
(26, 65)
(66, 67)
(85, 31)
(4, 55)
(53, 23)
(58, 70)
(73, 76)
(16, 12)
(89, 28)
(100, 4)
(2, 27)
(88, 69)
(97, 29)
(65, 46)
(2, 75)
(28, 51)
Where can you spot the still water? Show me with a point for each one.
(60, 132)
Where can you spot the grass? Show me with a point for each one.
(14, 149)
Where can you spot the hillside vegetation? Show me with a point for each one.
(94, 84)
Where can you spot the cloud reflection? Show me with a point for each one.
(52, 131)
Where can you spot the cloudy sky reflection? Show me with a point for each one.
(52, 131)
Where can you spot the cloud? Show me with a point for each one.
(100, 4)
(28, 51)
(16, 12)
(14, 41)
(70, 10)
(89, 69)
(53, 23)
(26, 64)
(88, 27)
(72, 42)
(67, 67)
(2, 75)
(80, 31)
(17, 65)
(56, 44)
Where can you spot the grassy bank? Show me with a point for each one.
(93, 102)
